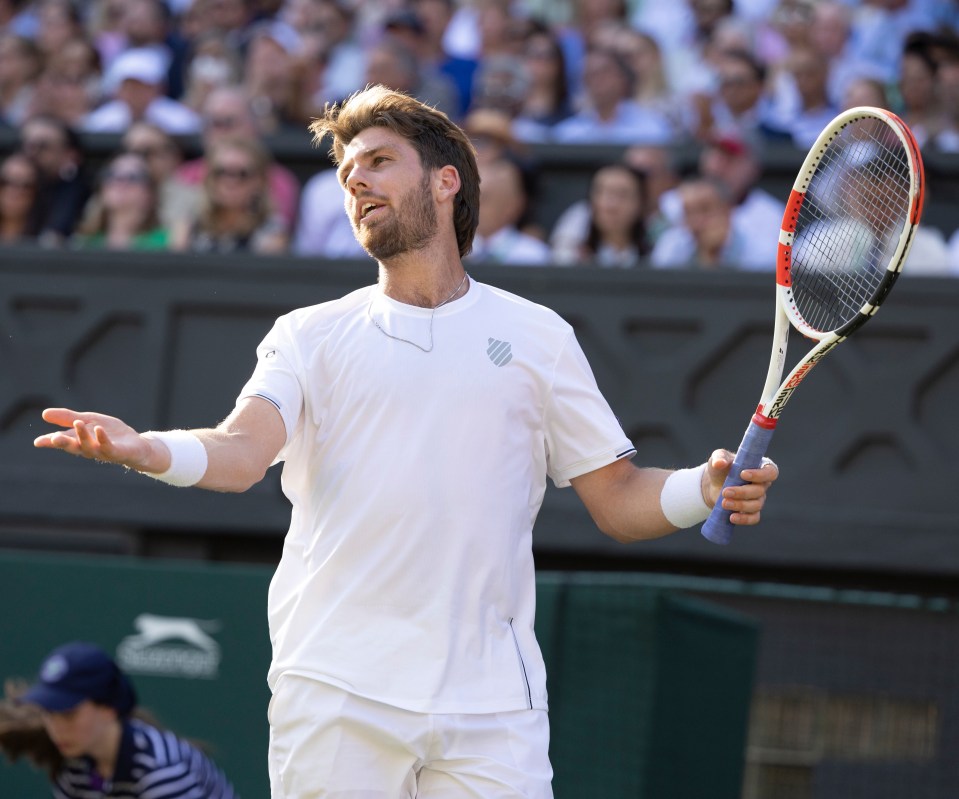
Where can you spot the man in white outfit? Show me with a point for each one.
(417, 420)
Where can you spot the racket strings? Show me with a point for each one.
(849, 224)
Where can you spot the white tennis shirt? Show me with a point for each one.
(415, 478)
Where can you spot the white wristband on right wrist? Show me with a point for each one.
(188, 458)
(682, 497)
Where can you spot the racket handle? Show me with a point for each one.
(717, 528)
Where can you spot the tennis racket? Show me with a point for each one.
(847, 230)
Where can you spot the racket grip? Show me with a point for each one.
(717, 528)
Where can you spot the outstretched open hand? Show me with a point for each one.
(96, 436)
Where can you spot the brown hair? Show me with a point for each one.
(437, 140)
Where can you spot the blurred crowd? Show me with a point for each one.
(726, 77)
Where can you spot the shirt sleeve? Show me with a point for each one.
(276, 378)
(582, 433)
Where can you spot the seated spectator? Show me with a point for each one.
(212, 64)
(345, 57)
(19, 70)
(269, 76)
(741, 106)
(163, 156)
(504, 197)
(548, 100)
(706, 238)
(227, 114)
(492, 134)
(146, 25)
(426, 81)
(122, 214)
(864, 91)
(136, 81)
(735, 163)
(19, 187)
(612, 232)
(393, 63)
(921, 109)
(610, 115)
(435, 16)
(70, 84)
(810, 76)
(236, 214)
(55, 148)
(58, 21)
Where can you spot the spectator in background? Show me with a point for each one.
(657, 164)
(227, 114)
(270, 78)
(70, 84)
(505, 193)
(918, 81)
(58, 21)
(19, 188)
(136, 81)
(610, 115)
(212, 64)
(741, 106)
(146, 24)
(757, 215)
(345, 58)
(810, 75)
(19, 70)
(55, 148)
(324, 229)
(236, 214)
(394, 62)
(864, 91)
(548, 100)
(435, 16)
(651, 87)
(501, 83)
(830, 28)
(123, 213)
(492, 134)
(612, 231)
(706, 238)
(80, 723)
(163, 156)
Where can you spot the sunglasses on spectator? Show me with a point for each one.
(147, 153)
(40, 145)
(14, 183)
(222, 123)
(241, 173)
(125, 177)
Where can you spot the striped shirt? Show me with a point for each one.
(151, 764)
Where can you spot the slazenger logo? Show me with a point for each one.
(171, 646)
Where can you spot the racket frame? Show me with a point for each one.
(776, 391)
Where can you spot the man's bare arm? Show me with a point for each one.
(239, 450)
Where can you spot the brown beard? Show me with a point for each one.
(412, 226)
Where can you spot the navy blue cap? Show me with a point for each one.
(78, 671)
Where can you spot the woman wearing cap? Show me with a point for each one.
(80, 721)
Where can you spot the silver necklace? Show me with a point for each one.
(369, 313)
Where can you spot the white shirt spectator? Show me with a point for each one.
(323, 227)
(510, 246)
(632, 124)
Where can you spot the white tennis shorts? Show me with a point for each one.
(327, 742)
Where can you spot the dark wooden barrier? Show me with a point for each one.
(868, 447)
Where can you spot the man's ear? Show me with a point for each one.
(447, 182)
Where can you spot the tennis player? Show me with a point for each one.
(418, 420)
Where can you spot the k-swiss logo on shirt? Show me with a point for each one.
(500, 352)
